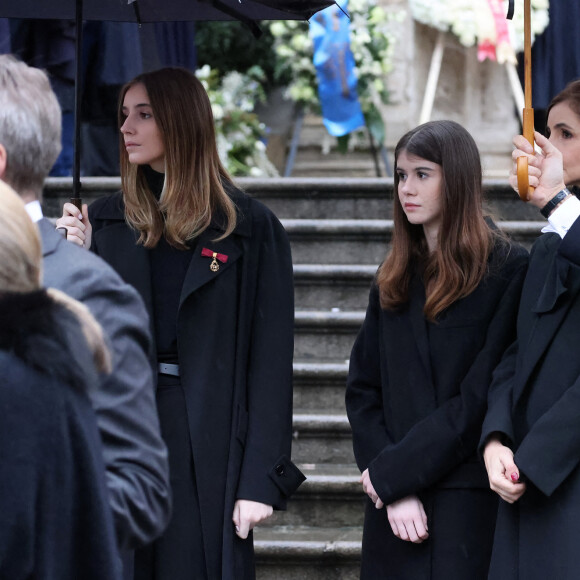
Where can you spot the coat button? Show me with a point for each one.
(279, 469)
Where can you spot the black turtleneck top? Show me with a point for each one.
(168, 269)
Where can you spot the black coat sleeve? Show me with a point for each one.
(364, 404)
(449, 435)
(551, 448)
(498, 417)
(499, 400)
(267, 475)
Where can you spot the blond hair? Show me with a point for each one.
(20, 247)
(21, 270)
(91, 329)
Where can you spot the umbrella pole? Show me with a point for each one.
(76, 199)
(528, 114)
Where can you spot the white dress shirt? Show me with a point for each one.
(34, 210)
(562, 218)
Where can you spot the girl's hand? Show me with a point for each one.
(408, 519)
(248, 514)
(77, 225)
(502, 472)
(365, 479)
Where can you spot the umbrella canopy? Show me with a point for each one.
(164, 10)
(247, 11)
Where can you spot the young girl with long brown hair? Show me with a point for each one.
(441, 313)
(215, 271)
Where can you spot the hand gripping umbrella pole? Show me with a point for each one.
(524, 188)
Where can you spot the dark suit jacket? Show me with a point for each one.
(235, 345)
(134, 453)
(534, 403)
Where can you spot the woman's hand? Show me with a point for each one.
(248, 514)
(545, 169)
(365, 479)
(77, 231)
(502, 472)
(408, 519)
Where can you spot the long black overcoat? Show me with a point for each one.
(235, 344)
(416, 398)
(535, 403)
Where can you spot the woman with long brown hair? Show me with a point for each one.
(215, 271)
(441, 313)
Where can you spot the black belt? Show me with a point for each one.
(169, 369)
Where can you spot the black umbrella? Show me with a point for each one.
(164, 10)
(139, 11)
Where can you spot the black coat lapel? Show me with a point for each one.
(561, 286)
(199, 272)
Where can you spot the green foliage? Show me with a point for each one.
(231, 46)
(238, 71)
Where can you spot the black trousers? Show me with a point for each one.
(179, 553)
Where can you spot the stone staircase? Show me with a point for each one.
(339, 230)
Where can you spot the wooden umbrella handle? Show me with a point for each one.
(524, 189)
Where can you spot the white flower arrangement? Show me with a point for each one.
(239, 132)
(461, 18)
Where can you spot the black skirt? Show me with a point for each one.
(179, 553)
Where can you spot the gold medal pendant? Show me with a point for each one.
(214, 266)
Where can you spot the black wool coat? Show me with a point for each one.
(235, 344)
(534, 403)
(416, 398)
(55, 519)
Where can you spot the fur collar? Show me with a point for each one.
(45, 336)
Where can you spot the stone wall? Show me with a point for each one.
(475, 94)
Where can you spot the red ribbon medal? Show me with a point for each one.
(214, 266)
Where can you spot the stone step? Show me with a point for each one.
(338, 241)
(331, 497)
(344, 241)
(308, 553)
(325, 336)
(320, 387)
(332, 286)
(321, 438)
(307, 198)
(363, 198)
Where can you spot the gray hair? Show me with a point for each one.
(30, 125)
